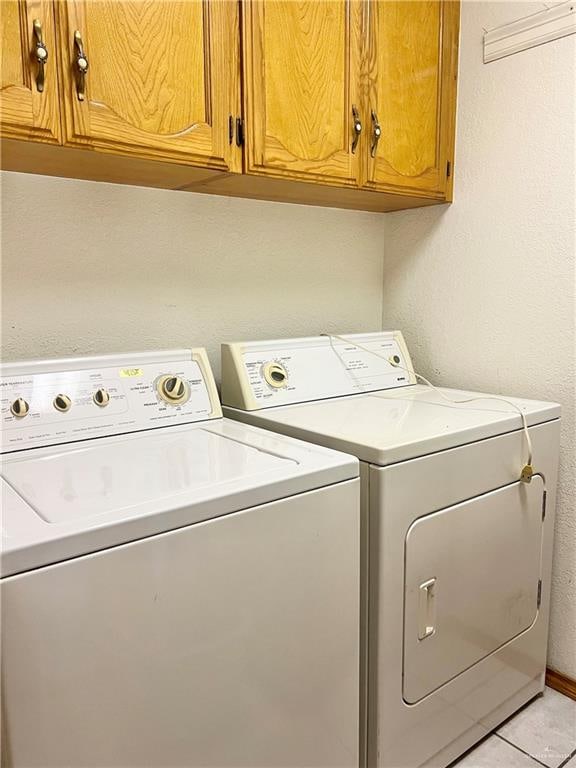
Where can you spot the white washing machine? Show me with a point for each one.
(457, 550)
(178, 589)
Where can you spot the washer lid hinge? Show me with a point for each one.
(539, 598)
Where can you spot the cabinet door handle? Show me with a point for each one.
(376, 133)
(426, 609)
(356, 128)
(41, 54)
(81, 66)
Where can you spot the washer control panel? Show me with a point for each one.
(59, 401)
(263, 374)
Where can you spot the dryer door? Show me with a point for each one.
(471, 583)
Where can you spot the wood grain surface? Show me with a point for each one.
(412, 82)
(25, 112)
(163, 78)
(166, 78)
(70, 162)
(301, 79)
(561, 683)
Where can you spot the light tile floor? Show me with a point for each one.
(541, 734)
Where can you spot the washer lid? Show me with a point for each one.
(59, 503)
(394, 425)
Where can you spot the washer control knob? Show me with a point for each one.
(101, 398)
(275, 375)
(394, 360)
(173, 390)
(62, 403)
(19, 408)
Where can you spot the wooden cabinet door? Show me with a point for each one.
(301, 82)
(163, 78)
(25, 111)
(412, 65)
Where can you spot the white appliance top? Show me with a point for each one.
(382, 427)
(61, 501)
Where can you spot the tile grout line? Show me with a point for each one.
(535, 759)
(567, 760)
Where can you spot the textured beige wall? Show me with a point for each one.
(484, 289)
(90, 267)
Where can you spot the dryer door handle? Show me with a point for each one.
(427, 609)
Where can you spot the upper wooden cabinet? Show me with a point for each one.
(302, 76)
(162, 78)
(29, 99)
(347, 103)
(412, 48)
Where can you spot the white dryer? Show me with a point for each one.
(177, 588)
(457, 550)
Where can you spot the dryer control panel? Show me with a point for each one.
(264, 374)
(50, 402)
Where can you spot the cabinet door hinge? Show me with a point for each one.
(448, 169)
(230, 129)
(239, 132)
(543, 505)
(539, 598)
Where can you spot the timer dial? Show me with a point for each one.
(173, 390)
(101, 398)
(275, 375)
(19, 408)
(62, 403)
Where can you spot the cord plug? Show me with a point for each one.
(527, 473)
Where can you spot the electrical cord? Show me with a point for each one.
(527, 471)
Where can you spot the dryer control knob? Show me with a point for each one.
(62, 403)
(275, 375)
(173, 390)
(101, 398)
(19, 408)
